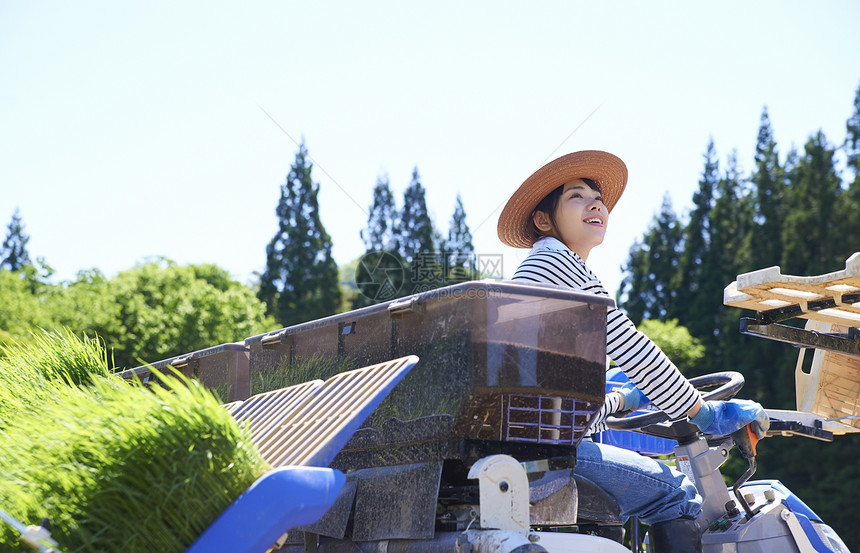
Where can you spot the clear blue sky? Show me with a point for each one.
(136, 129)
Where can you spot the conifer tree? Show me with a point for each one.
(415, 229)
(664, 249)
(635, 287)
(697, 234)
(380, 232)
(300, 282)
(847, 220)
(852, 136)
(13, 252)
(415, 234)
(381, 274)
(820, 231)
(769, 182)
(731, 223)
(458, 248)
(806, 232)
(650, 286)
(817, 215)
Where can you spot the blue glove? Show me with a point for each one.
(633, 397)
(722, 418)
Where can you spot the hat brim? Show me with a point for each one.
(515, 226)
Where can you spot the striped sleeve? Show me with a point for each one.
(611, 404)
(648, 367)
(640, 358)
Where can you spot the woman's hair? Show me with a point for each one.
(550, 202)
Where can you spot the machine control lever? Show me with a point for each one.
(746, 441)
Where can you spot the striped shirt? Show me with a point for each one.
(550, 261)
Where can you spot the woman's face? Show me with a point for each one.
(580, 218)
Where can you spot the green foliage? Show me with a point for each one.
(151, 312)
(847, 223)
(458, 247)
(382, 242)
(165, 309)
(24, 301)
(815, 187)
(676, 342)
(300, 282)
(13, 251)
(726, 257)
(633, 293)
(405, 252)
(648, 286)
(852, 136)
(798, 213)
(89, 304)
(459, 237)
(770, 194)
(416, 237)
(348, 287)
(113, 466)
(20, 309)
(397, 244)
(380, 233)
(697, 237)
(415, 229)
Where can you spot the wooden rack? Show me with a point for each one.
(831, 304)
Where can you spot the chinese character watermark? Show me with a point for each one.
(381, 275)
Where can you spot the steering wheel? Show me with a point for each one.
(729, 382)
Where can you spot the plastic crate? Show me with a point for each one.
(223, 368)
(487, 349)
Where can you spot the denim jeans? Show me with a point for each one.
(640, 485)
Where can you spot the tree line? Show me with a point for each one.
(160, 309)
(155, 310)
(795, 209)
(404, 253)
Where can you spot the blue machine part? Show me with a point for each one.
(314, 431)
(810, 532)
(633, 441)
(790, 500)
(281, 499)
(805, 515)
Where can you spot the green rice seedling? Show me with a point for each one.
(57, 355)
(113, 465)
(27, 368)
(285, 374)
(221, 392)
(430, 404)
(124, 468)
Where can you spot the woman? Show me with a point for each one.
(561, 212)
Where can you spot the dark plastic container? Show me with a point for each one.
(222, 368)
(499, 361)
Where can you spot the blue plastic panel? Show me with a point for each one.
(633, 441)
(281, 499)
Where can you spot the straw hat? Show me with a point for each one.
(608, 171)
